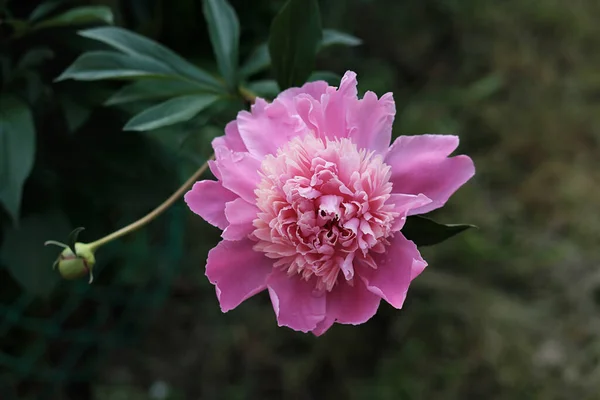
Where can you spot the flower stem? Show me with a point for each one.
(154, 213)
(247, 95)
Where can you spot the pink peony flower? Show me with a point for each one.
(312, 198)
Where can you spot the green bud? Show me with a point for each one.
(75, 265)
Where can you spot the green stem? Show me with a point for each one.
(247, 95)
(154, 213)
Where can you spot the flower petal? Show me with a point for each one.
(231, 140)
(404, 204)
(313, 89)
(336, 106)
(268, 127)
(207, 199)
(238, 172)
(240, 215)
(237, 271)
(420, 165)
(401, 263)
(348, 305)
(296, 302)
(370, 122)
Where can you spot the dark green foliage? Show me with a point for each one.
(426, 232)
(294, 40)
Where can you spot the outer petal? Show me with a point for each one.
(336, 105)
(311, 112)
(231, 140)
(295, 301)
(240, 215)
(395, 269)
(313, 89)
(420, 165)
(370, 122)
(237, 271)
(404, 204)
(268, 127)
(237, 172)
(348, 305)
(207, 199)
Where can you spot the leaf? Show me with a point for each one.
(139, 46)
(76, 113)
(97, 65)
(330, 77)
(224, 31)
(332, 37)
(267, 88)
(152, 89)
(17, 151)
(426, 232)
(25, 255)
(293, 42)
(34, 57)
(259, 60)
(73, 236)
(170, 112)
(78, 16)
(44, 9)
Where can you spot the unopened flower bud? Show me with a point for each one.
(75, 266)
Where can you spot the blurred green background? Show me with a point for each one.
(511, 311)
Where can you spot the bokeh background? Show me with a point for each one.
(510, 311)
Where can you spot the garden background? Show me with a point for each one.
(508, 311)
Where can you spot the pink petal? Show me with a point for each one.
(348, 305)
(237, 172)
(311, 112)
(296, 302)
(231, 140)
(207, 199)
(370, 122)
(237, 271)
(240, 215)
(395, 269)
(313, 89)
(268, 127)
(337, 105)
(404, 204)
(420, 165)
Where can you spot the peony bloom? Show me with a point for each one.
(312, 198)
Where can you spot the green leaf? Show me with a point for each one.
(170, 112)
(153, 89)
(73, 236)
(332, 37)
(76, 113)
(17, 151)
(330, 77)
(267, 88)
(34, 57)
(139, 46)
(259, 60)
(44, 9)
(224, 31)
(97, 65)
(426, 232)
(294, 40)
(25, 255)
(78, 16)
